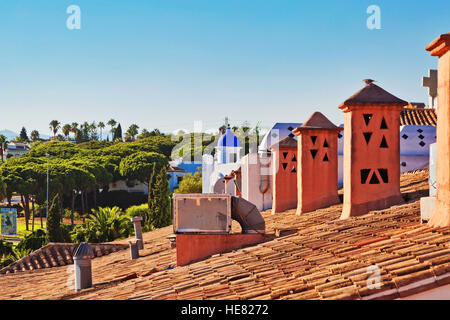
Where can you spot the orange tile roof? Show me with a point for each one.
(58, 254)
(418, 117)
(316, 256)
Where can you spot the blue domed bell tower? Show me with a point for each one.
(228, 149)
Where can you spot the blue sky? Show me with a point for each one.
(165, 64)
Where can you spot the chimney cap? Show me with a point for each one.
(136, 219)
(317, 121)
(440, 45)
(371, 94)
(84, 251)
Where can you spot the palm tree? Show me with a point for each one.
(74, 130)
(112, 123)
(55, 125)
(3, 144)
(93, 131)
(34, 135)
(101, 126)
(132, 131)
(108, 223)
(66, 130)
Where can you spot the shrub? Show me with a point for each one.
(54, 232)
(103, 225)
(6, 248)
(190, 183)
(140, 211)
(33, 241)
(9, 254)
(68, 214)
(65, 233)
(81, 233)
(7, 260)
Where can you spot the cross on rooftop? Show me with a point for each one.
(432, 83)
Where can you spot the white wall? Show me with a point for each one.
(251, 181)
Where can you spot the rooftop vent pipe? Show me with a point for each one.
(134, 248)
(138, 231)
(247, 215)
(82, 262)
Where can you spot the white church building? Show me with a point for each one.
(226, 159)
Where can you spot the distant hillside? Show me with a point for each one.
(11, 135)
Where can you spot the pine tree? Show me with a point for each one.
(118, 132)
(160, 202)
(151, 184)
(53, 221)
(23, 135)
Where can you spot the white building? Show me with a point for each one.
(226, 159)
(256, 168)
(16, 149)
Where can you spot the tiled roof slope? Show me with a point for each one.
(288, 142)
(57, 254)
(418, 117)
(372, 94)
(317, 256)
(318, 121)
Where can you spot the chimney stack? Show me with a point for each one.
(138, 231)
(134, 248)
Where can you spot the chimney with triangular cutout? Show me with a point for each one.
(317, 179)
(284, 166)
(371, 150)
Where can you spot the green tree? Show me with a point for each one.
(74, 129)
(55, 125)
(155, 132)
(23, 135)
(92, 129)
(118, 133)
(54, 232)
(151, 186)
(34, 135)
(112, 123)
(139, 165)
(101, 126)
(3, 145)
(66, 130)
(190, 183)
(144, 134)
(160, 214)
(108, 224)
(132, 131)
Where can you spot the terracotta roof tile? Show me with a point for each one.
(418, 117)
(321, 258)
